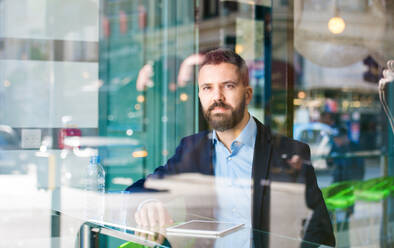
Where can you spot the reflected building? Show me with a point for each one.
(112, 68)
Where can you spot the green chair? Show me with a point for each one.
(374, 189)
(339, 195)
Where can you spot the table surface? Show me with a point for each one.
(113, 213)
(54, 218)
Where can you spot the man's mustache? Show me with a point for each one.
(218, 104)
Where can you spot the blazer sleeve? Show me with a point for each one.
(191, 155)
(319, 230)
(171, 167)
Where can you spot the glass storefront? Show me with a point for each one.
(118, 79)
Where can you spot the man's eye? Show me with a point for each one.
(206, 88)
(230, 86)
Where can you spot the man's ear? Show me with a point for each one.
(248, 94)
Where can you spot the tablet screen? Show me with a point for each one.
(207, 227)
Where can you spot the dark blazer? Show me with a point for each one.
(194, 154)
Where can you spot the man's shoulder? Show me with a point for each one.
(289, 146)
(285, 145)
(197, 138)
(279, 139)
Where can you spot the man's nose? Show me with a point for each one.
(218, 95)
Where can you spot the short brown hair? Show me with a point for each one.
(223, 55)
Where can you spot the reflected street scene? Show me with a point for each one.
(196, 123)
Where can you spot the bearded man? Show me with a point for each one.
(238, 147)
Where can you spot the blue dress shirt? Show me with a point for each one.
(233, 176)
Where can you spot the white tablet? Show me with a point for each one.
(203, 228)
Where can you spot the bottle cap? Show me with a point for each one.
(95, 159)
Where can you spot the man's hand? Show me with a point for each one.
(295, 162)
(154, 235)
(153, 214)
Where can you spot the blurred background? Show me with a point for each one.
(120, 76)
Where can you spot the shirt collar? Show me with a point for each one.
(247, 136)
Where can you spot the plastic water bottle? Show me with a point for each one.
(95, 176)
(94, 190)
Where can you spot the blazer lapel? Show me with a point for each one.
(204, 155)
(260, 172)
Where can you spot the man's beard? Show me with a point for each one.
(222, 121)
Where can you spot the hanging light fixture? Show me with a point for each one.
(336, 24)
(337, 34)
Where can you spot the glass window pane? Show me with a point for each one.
(116, 115)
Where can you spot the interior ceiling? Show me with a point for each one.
(369, 31)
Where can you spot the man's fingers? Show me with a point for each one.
(152, 215)
(156, 237)
(162, 214)
(137, 218)
(144, 216)
(295, 161)
(169, 220)
(150, 237)
(160, 239)
(164, 218)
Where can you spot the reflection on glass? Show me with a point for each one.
(122, 77)
(237, 173)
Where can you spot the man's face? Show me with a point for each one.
(223, 96)
(341, 140)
